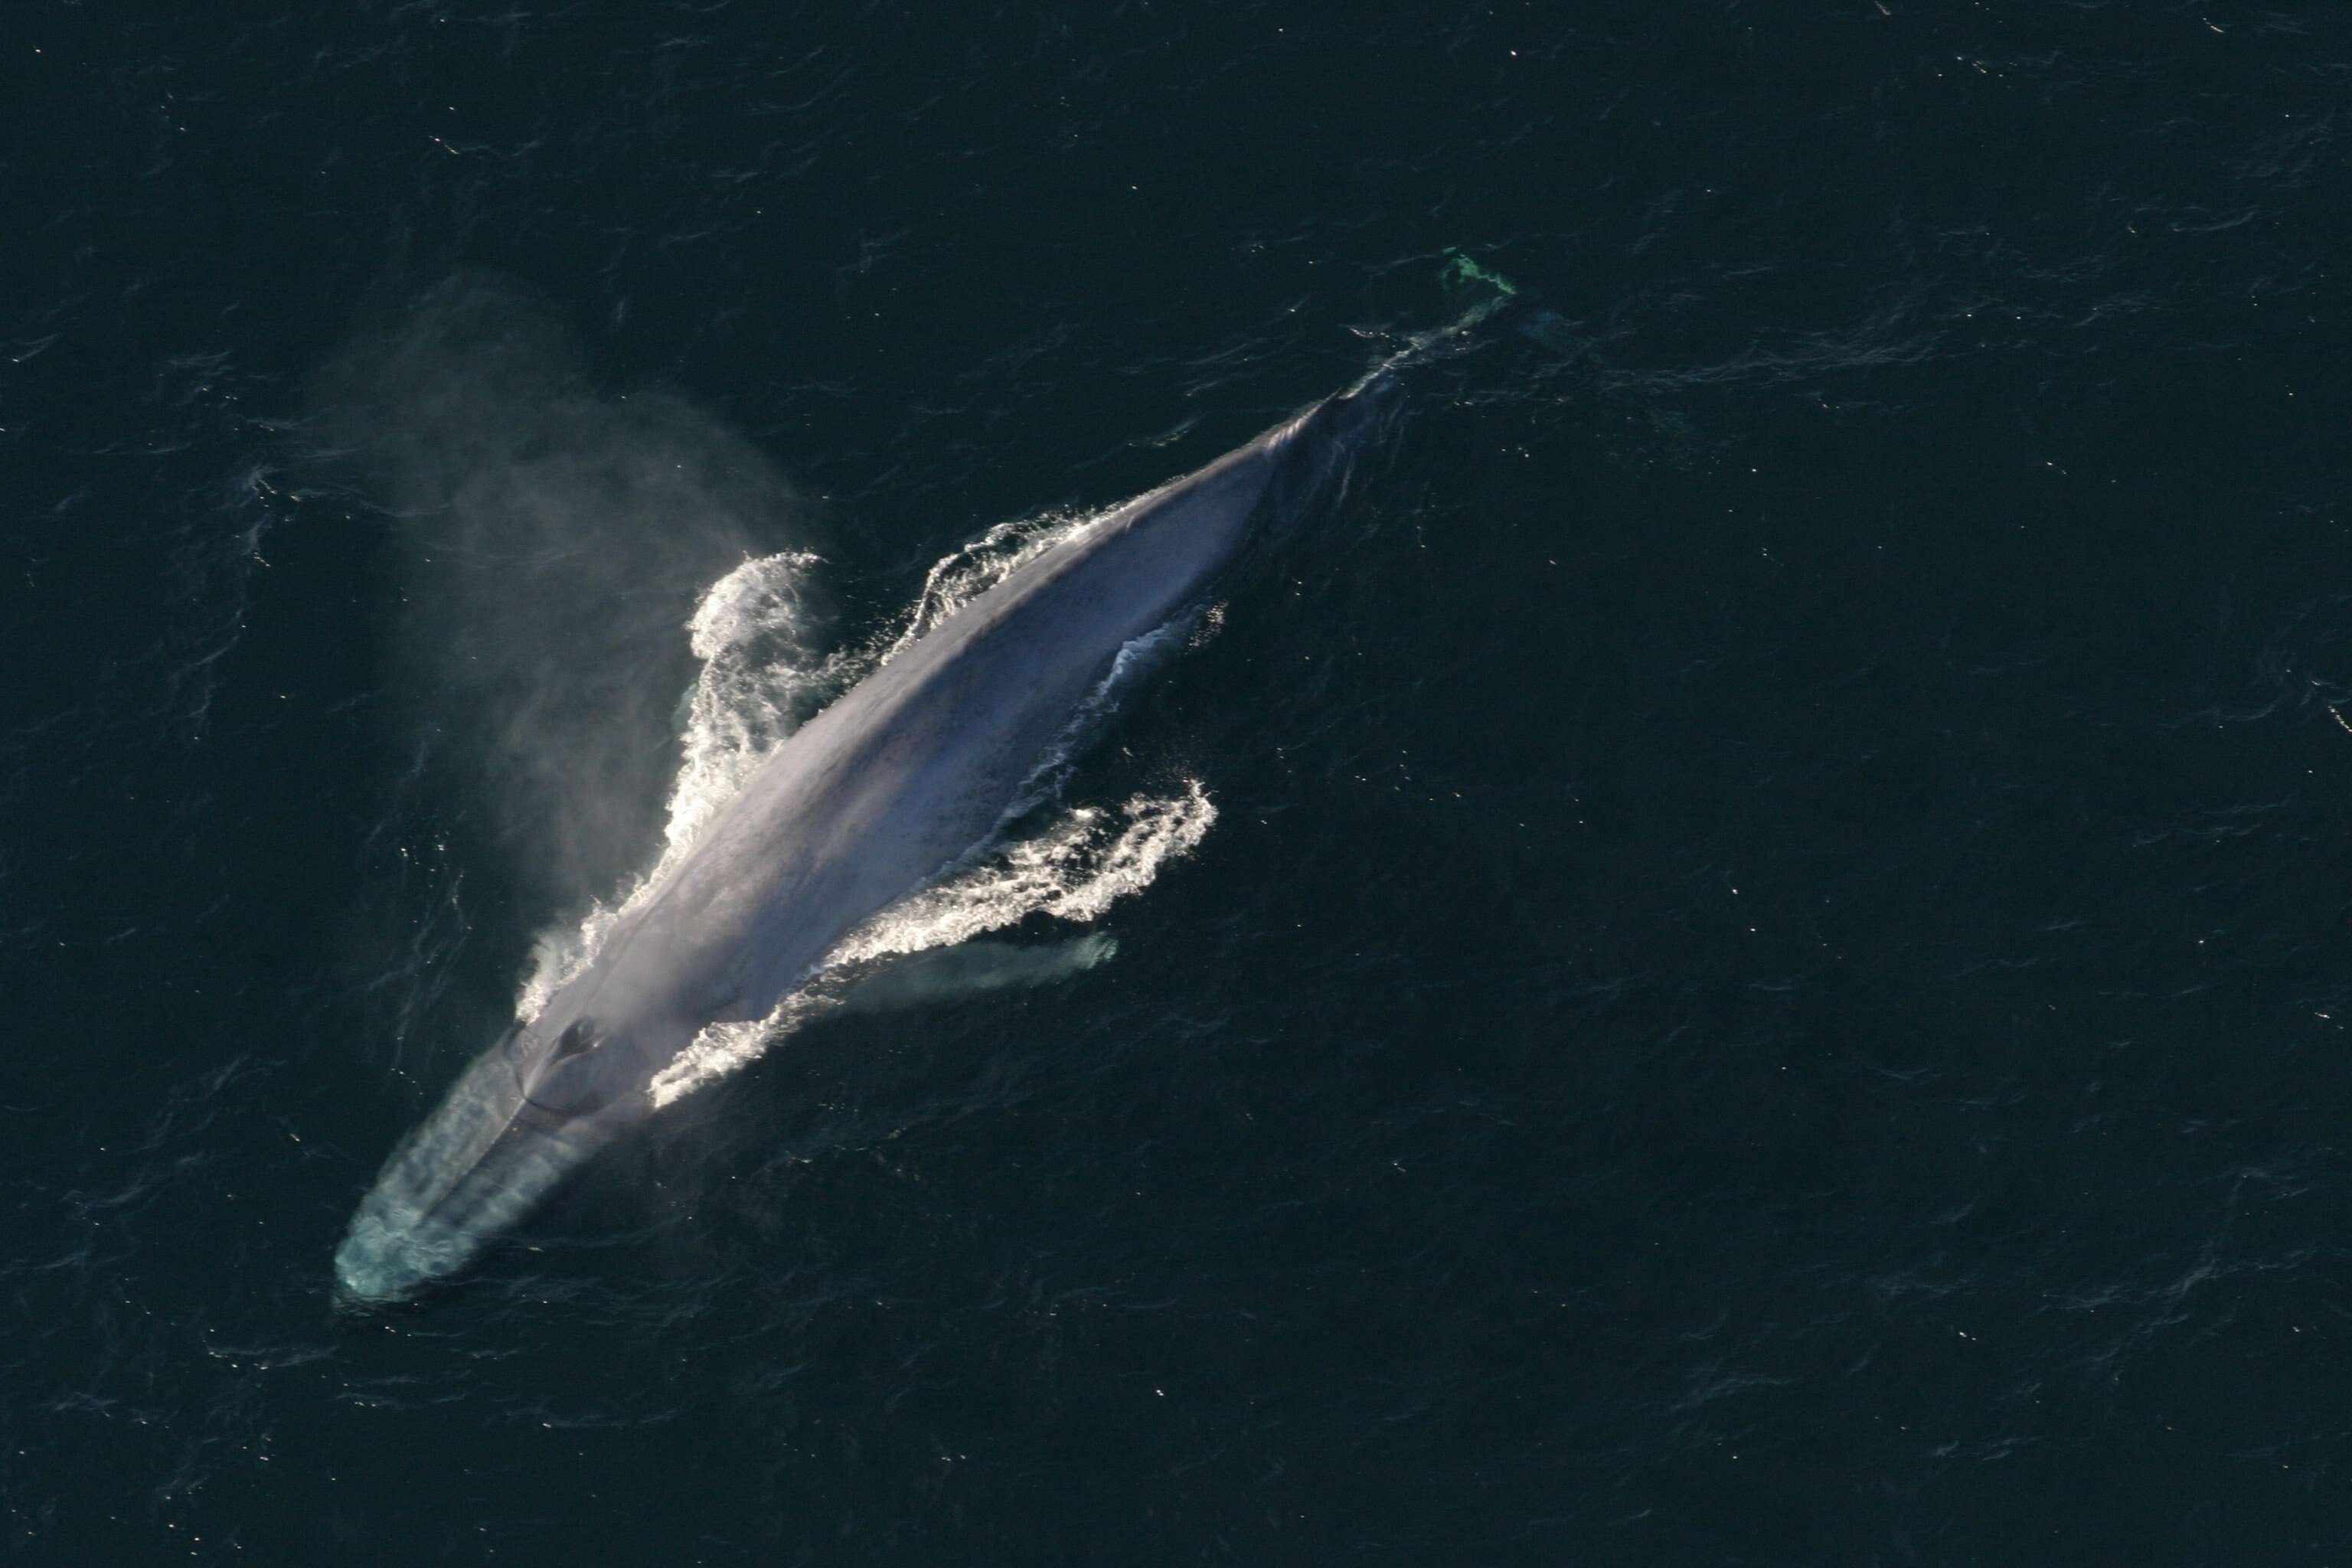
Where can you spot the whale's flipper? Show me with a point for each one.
(973, 969)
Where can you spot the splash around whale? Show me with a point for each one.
(871, 802)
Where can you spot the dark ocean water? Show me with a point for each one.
(1771, 980)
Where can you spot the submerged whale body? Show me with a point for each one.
(872, 799)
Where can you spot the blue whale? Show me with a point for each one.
(873, 799)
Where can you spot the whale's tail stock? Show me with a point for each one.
(1354, 420)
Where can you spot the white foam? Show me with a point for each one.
(760, 680)
(1086, 861)
(972, 569)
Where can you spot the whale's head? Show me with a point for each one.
(531, 1110)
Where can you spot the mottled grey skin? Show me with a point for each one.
(866, 804)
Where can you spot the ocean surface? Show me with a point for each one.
(1741, 954)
